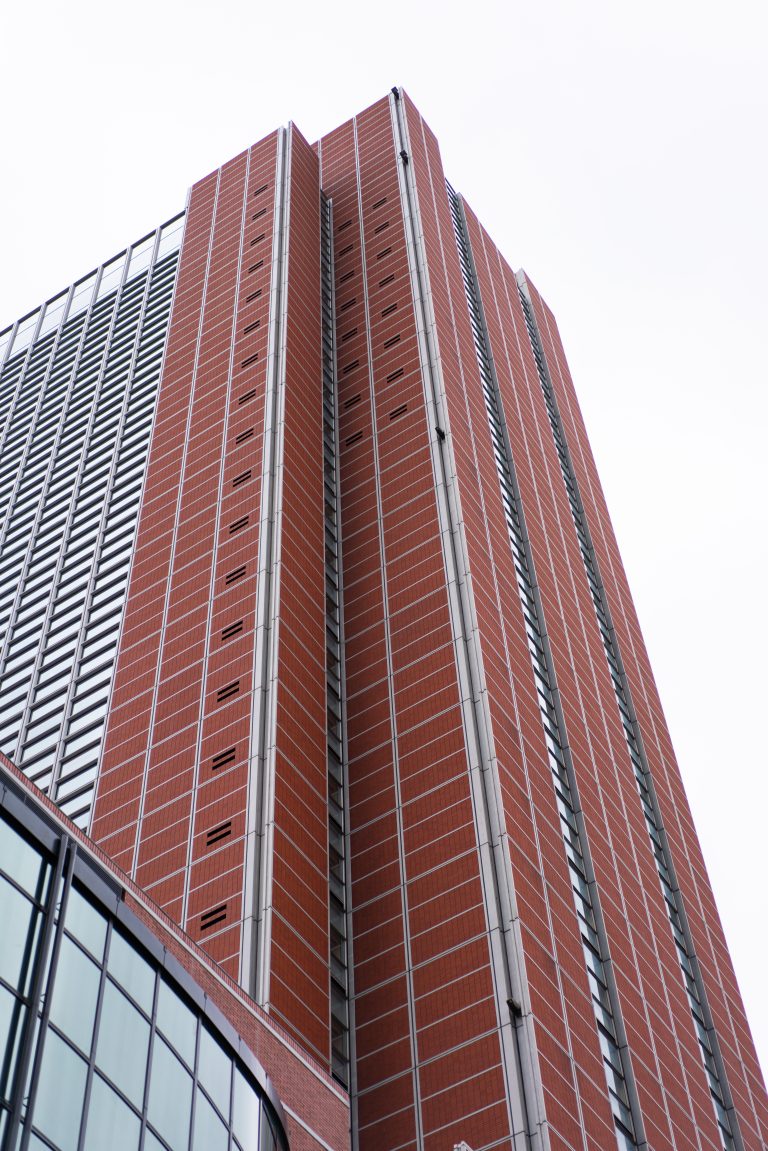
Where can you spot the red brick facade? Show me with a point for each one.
(471, 1008)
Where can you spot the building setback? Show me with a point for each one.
(374, 723)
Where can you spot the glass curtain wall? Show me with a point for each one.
(78, 384)
(101, 1044)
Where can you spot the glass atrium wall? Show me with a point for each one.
(78, 383)
(105, 1042)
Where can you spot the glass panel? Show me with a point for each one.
(210, 1133)
(141, 256)
(110, 1122)
(11, 1020)
(170, 1097)
(170, 237)
(4, 341)
(131, 971)
(86, 924)
(177, 1023)
(247, 1111)
(20, 860)
(53, 314)
(18, 936)
(24, 332)
(268, 1141)
(123, 1043)
(60, 1091)
(76, 989)
(82, 295)
(110, 276)
(152, 1143)
(215, 1071)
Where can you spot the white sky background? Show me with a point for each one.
(616, 151)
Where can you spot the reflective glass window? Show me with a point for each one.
(19, 931)
(73, 1007)
(131, 971)
(11, 1020)
(123, 1044)
(21, 861)
(60, 1091)
(141, 256)
(170, 1097)
(170, 237)
(215, 1071)
(111, 276)
(177, 1023)
(81, 297)
(111, 1125)
(54, 312)
(210, 1134)
(246, 1114)
(87, 925)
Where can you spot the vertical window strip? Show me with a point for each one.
(691, 976)
(337, 819)
(595, 956)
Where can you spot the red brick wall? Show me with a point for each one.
(299, 992)
(165, 723)
(199, 527)
(414, 855)
(743, 1071)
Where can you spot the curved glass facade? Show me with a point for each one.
(105, 1040)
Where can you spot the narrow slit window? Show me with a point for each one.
(252, 327)
(242, 478)
(238, 525)
(350, 367)
(247, 396)
(210, 918)
(263, 188)
(250, 360)
(348, 335)
(390, 343)
(228, 691)
(350, 403)
(347, 276)
(384, 252)
(353, 439)
(257, 239)
(346, 251)
(231, 630)
(243, 436)
(349, 304)
(381, 228)
(398, 411)
(387, 280)
(216, 834)
(395, 375)
(223, 758)
(235, 575)
(388, 311)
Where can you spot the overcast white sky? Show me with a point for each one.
(617, 152)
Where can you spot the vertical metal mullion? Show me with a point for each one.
(67, 854)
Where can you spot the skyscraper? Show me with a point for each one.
(379, 731)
